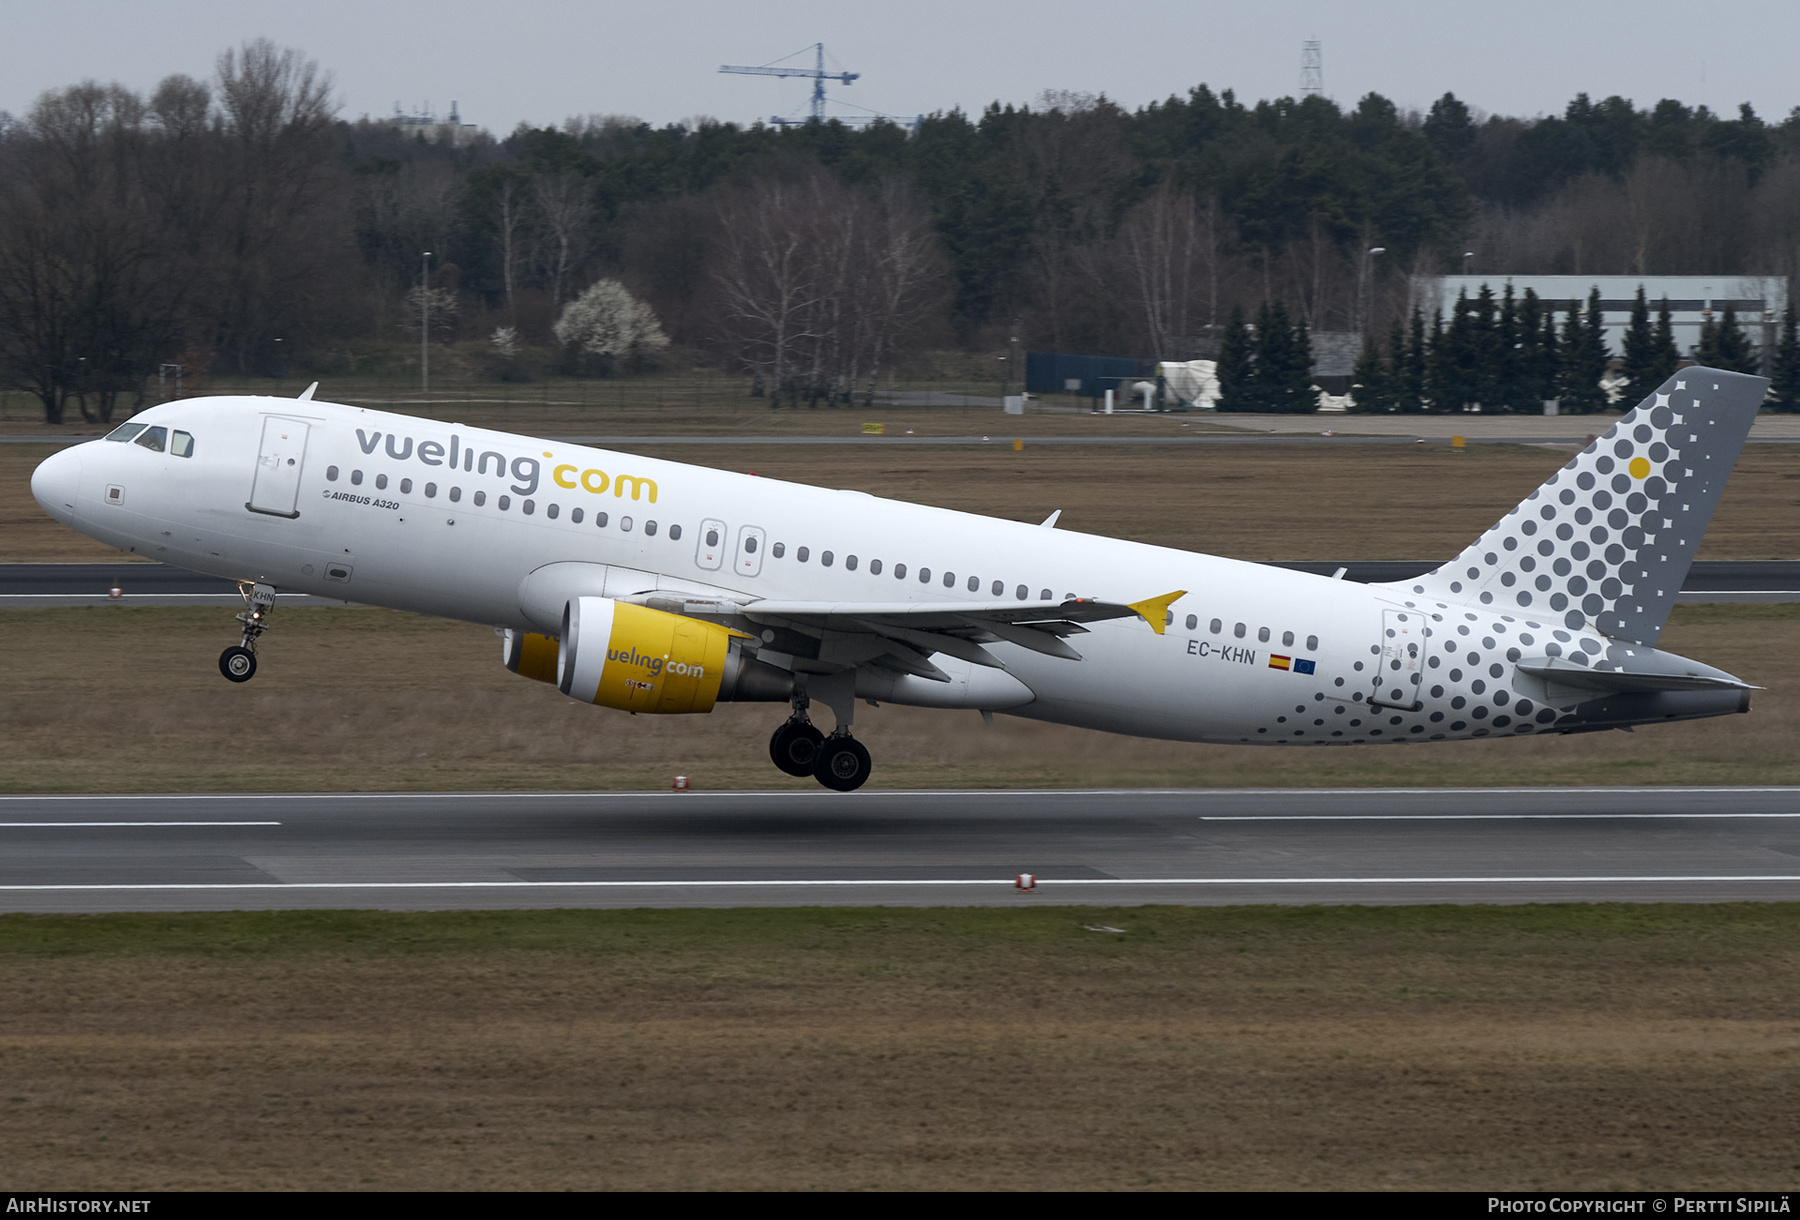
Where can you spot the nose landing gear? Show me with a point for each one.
(238, 663)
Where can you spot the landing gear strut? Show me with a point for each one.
(238, 663)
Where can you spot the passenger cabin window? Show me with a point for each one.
(825, 558)
(455, 495)
(1215, 626)
(575, 515)
(650, 530)
(974, 585)
(801, 554)
(431, 491)
(949, 580)
(552, 511)
(675, 536)
(480, 498)
(874, 567)
(154, 439)
(125, 432)
(1262, 634)
(1193, 621)
(924, 576)
(600, 521)
(899, 571)
(331, 473)
(1238, 631)
(998, 588)
(778, 550)
(406, 487)
(381, 482)
(849, 560)
(1312, 643)
(356, 478)
(1022, 593)
(182, 444)
(1287, 639)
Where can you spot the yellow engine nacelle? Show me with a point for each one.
(637, 659)
(529, 655)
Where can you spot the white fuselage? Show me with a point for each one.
(380, 516)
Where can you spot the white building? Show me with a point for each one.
(1758, 300)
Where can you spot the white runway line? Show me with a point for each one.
(28, 825)
(1475, 817)
(1198, 794)
(1008, 882)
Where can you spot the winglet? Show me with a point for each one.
(1049, 523)
(1155, 610)
(307, 393)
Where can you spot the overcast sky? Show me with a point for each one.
(538, 61)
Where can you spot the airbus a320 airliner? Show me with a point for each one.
(652, 586)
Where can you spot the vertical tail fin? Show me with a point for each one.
(1606, 542)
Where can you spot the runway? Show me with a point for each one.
(25, 585)
(419, 851)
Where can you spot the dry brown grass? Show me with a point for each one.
(123, 699)
(1524, 1048)
(1245, 501)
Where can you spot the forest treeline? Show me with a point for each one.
(239, 225)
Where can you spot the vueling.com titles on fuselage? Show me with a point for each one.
(526, 472)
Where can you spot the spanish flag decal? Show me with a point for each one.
(1280, 662)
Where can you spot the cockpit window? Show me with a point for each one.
(125, 432)
(155, 439)
(182, 445)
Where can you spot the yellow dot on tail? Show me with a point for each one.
(1640, 467)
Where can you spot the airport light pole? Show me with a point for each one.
(425, 322)
(1364, 288)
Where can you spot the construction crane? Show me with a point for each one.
(817, 74)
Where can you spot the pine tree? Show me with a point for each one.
(1236, 365)
(1784, 384)
(1283, 362)
(1665, 355)
(1594, 352)
(1549, 368)
(1302, 398)
(1450, 358)
(1509, 383)
(1483, 351)
(1438, 396)
(1730, 345)
(1640, 349)
(1412, 384)
(1583, 359)
(1370, 381)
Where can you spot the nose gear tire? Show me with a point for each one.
(238, 663)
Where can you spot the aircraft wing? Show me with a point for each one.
(904, 635)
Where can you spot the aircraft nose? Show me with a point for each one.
(55, 482)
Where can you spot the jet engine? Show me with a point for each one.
(620, 655)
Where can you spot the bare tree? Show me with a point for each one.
(566, 207)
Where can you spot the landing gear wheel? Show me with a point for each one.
(842, 764)
(238, 663)
(795, 746)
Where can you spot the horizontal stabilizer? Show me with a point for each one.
(1567, 673)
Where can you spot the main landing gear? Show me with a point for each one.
(238, 663)
(839, 761)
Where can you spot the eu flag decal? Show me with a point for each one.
(1302, 665)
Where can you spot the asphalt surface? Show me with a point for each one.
(475, 850)
(150, 584)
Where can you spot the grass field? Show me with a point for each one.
(1523, 1048)
(117, 699)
